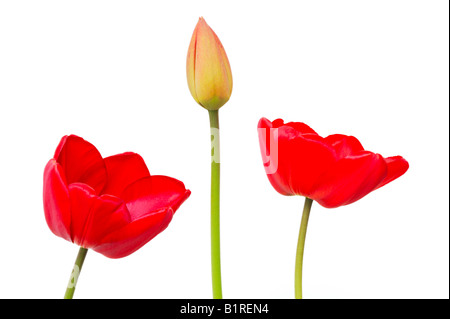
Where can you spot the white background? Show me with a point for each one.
(113, 72)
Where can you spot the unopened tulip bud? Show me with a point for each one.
(208, 70)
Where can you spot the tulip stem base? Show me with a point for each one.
(301, 248)
(75, 273)
(215, 205)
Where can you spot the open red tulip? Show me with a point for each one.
(334, 171)
(111, 205)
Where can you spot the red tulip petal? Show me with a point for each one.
(82, 198)
(150, 194)
(344, 145)
(268, 142)
(296, 159)
(81, 162)
(298, 126)
(123, 170)
(301, 128)
(264, 128)
(350, 179)
(56, 200)
(135, 235)
(94, 217)
(397, 166)
(307, 157)
(108, 214)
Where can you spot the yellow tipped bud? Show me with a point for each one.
(207, 68)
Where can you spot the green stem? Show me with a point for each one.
(75, 273)
(215, 205)
(301, 248)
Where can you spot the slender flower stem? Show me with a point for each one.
(75, 273)
(301, 248)
(215, 205)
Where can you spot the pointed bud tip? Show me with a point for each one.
(201, 21)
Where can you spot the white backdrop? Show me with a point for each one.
(113, 72)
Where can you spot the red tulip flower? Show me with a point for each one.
(111, 205)
(333, 170)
